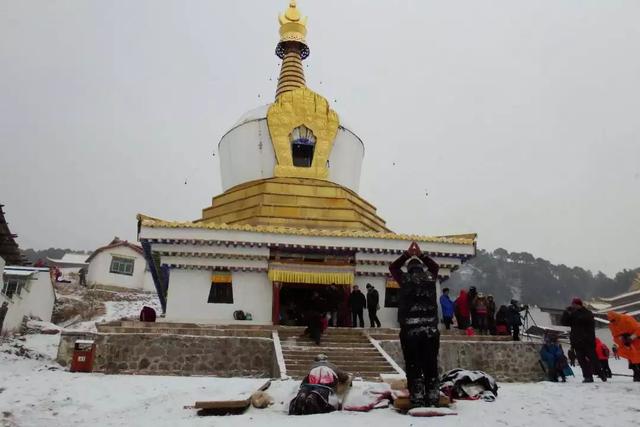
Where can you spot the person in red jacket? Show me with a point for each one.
(462, 310)
(602, 353)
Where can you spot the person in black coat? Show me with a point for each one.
(373, 300)
(418, 318)
(358, 303)
(583, 338)
(515, 321)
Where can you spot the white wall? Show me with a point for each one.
(41, 297)
(189, 291)
(147, 282)
(345, 160)
(99, 266)
(37, 301)
(388, 316)
(246, 154)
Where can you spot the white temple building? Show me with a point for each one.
(290, 221)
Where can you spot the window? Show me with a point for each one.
(120, 265)
(391, 294)
(12, 286)
(391, 297)
(303, 144)
(221, 291)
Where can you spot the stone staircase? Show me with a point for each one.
(347, 348)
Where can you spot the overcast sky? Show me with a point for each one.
(521, 119)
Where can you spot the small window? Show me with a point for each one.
(391, 294)
(120, 265)
(391, 297)
(12, 286)
(303, 144)
(220, 293)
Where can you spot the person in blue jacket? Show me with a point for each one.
(447, 308)
(554, 359)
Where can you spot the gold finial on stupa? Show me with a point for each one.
(292, 49)
(293, 29)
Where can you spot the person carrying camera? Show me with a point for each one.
(583, 338)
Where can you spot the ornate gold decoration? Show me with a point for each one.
(302, 107)
(147, 221)
(293, 27)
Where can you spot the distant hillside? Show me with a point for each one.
(533, 280)
(55, 253)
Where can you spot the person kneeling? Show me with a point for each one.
(318, 390)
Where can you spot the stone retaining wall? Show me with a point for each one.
(163, 354)
(506, 361)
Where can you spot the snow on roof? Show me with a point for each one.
(18, 272)
(115, 243)
(19, 267)
(628, 294)
(599, 305)
(619, 307)
(70, 258)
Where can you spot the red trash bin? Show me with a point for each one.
(83, 353)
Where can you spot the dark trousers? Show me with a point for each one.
(373, 318)
(463, 322)
(481, 321)
(636, 372)
(420, 352)
(606, 370)
(586, 355)
(515, 330)
(355, 315)
(447, 322)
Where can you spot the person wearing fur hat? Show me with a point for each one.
(583, 338)
(418, 319)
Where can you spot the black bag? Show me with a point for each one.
(311, 399)
(239, 315)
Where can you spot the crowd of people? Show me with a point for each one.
(322, 310)
(591, 354)
(478, 313)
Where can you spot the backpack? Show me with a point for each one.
(239, 315)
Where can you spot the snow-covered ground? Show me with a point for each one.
(37, 392)
(116, 310)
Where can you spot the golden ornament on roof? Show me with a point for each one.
(293, 29)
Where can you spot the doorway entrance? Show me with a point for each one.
(296, 302)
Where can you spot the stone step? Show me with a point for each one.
(331, 337)
(346, 345)
(360, 373)
(330, 352)
(344, 367)
(309, 358)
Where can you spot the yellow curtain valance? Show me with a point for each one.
(392, 284)
(311, 277)
(221, 278)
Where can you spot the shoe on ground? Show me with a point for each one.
(587, 380)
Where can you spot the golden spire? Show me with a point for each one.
(292, 49)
